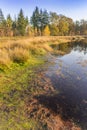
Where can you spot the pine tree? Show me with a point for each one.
(35, 20)
(39, 20)
(2, 19)
(26, 21)
(14, 27)
(21, 23)
(8, 28)
(2, 24)
(1, 16)
(43, 20)
(9, 22)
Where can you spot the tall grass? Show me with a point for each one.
(19, 55)
(20, 50)
(5, 60)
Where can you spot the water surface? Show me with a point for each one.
(69, 77)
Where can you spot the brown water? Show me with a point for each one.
(69, 76)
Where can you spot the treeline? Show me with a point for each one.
(41, 23)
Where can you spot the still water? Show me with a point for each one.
(69, 76)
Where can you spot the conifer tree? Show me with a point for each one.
(35, 20)
(21, 23)
(9, 21)
(44, 20)
(2, 19)
(39, 20)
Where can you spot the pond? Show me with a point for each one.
(69, 76)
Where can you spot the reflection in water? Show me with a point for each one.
(68, 47)
(69, 76)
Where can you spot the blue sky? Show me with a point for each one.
(76, 9)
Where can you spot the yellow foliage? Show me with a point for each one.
(46, 31)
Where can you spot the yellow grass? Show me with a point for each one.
(20, 49)
(19, 55)
(4, 57)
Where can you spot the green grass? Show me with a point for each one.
(13, 84)
(18, 61)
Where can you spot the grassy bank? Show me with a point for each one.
(18, 60)
(15, 89)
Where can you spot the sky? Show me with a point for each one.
(75, 9)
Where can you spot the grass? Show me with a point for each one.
(17, 60)
(22, 49)
(13, 84)
(19, 55)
